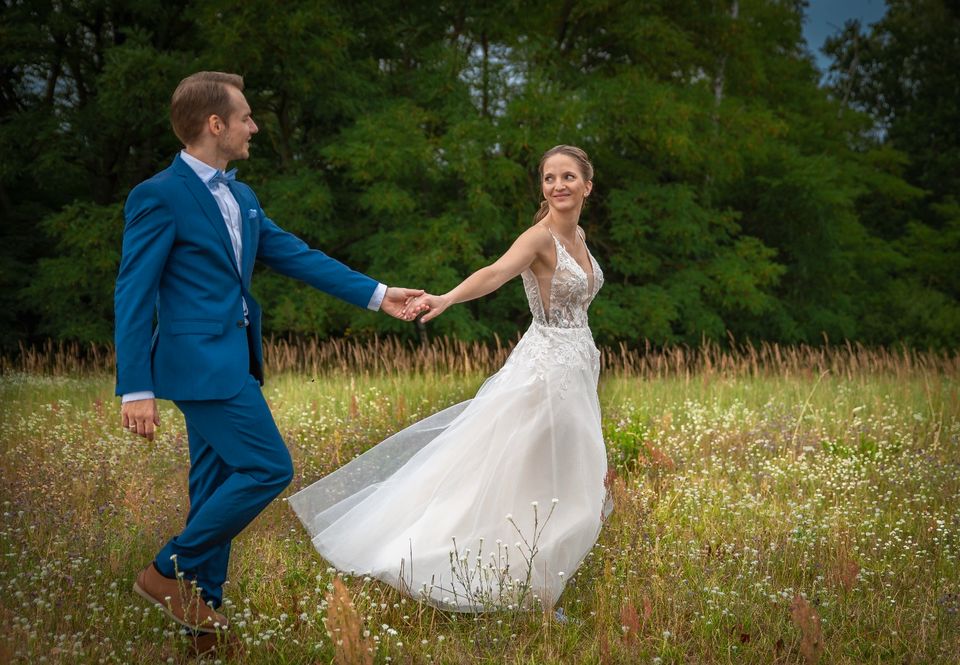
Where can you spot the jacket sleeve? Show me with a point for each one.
(289, 255)
(148, 237)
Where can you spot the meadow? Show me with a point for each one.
(788, 505)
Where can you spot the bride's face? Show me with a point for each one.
(563, 185)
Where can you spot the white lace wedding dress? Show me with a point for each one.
(494, 502)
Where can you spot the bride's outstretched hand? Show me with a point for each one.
(435, 305)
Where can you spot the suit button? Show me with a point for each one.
(240, 323)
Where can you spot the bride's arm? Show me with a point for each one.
(532, 243)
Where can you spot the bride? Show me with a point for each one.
(494, 502)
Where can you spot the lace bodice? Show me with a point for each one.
(570, 294)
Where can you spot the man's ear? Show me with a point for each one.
(215, 124)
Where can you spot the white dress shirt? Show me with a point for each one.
(228, 205)
(230, 210)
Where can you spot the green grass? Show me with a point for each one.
(736, 500)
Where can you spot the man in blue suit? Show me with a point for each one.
(191, 236)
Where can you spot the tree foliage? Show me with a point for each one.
(733, 193)
(904, 73)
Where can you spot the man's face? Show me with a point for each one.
(234, 140)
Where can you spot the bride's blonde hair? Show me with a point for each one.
(574, 153)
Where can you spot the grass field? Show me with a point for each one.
(804, 514)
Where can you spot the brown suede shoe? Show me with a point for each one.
(180, 599)
(219, 644)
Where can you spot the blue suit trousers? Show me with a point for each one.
(238, 465)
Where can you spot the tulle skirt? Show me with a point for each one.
(489, 504)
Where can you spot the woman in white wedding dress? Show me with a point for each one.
(494, 502)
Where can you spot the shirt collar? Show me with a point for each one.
(203, 170)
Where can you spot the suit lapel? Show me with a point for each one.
(208, 205)
(246, 228)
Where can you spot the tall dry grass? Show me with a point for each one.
(446, 355)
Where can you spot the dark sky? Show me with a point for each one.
(826, 17)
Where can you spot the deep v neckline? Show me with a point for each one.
(591, 276)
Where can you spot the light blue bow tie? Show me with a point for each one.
(220, 176)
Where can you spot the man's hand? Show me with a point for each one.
(435, 304)
(396, 303)
(141, 417)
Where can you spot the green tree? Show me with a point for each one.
(82, 119)
(74, 297)
(903, 73)
(732, 192)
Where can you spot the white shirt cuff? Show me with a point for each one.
(133, 397)
(377, 297)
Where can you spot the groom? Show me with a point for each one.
(191, 236)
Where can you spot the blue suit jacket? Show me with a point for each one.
(178, 263)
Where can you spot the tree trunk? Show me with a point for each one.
(719, 81)
(485, 76)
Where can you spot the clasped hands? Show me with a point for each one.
(407, 304)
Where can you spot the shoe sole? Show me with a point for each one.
(166, 610)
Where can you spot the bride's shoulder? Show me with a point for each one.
(538, 235)
(536, 240)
